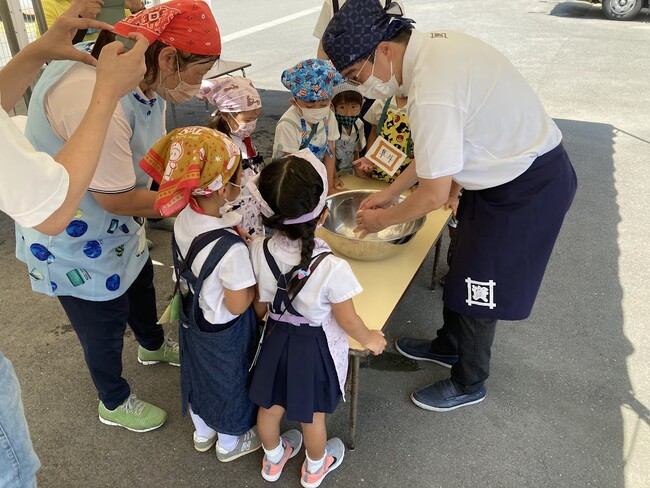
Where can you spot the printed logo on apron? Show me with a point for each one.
(480, 293)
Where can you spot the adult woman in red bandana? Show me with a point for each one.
(99, 268)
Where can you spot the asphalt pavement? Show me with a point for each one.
(568, 400)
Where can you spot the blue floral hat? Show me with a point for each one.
(357, 28)
(311, 80)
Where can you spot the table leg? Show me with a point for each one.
(436, 257)
(354, 397)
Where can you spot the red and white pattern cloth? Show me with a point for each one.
(187, 25)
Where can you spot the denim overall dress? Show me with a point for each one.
(295, 368)
(215, 358)
(99, 254)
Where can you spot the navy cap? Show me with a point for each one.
(358, 27)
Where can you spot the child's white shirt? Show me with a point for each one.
(288, 133)
(331, 282)
(361, 142)
(373, 114)
(233, 272)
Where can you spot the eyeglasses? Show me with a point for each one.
(354, 79)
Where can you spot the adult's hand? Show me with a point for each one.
(134, 5)
(88, 9)
(452, 204)
(382, 199)
(56, 43)
(118, 71)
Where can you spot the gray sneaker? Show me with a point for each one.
(203, 444)
(247, 443)
(334, 453)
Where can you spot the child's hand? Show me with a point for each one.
(376, 342)
(363, 167)
(244, 235)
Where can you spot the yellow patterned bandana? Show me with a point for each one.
(187, 162)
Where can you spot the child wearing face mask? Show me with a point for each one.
(310, 123)
(388, 120)
(347, 104)
(238, 106)
(199, 172)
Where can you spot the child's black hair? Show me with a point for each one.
(292, 187)
(218, 122)
(348, 96)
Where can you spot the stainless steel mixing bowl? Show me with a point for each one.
(338, 229)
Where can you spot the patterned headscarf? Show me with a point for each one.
(357, 28)
(189, 161)
(311, 80)
(230, 94)
(187, 25)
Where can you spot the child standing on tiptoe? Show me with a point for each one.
(310, 123)
(347, 104)
(306, 293)
(238, 106)
(199, 174)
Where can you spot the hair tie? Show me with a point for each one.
(303, 274)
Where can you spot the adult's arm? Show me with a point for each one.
(136, 202)
(56, 43)
(430, 195)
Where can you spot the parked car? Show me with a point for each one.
(622, 9)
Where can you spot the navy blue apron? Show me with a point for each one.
(215, 358)
(505, 238)
(295, 369)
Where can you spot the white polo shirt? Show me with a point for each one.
(472, 114)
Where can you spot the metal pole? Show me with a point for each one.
(40, 16)
(10, 31)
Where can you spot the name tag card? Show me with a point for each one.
(386, 156)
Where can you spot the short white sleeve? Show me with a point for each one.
(324, 18)
(373, 114)
(32, 184)
(66, 104)
(333, 133)
(362, 135)
(287, 138)
(437, 132)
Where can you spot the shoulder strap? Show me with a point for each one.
(335, 6)
(306, 142)
(384, 114)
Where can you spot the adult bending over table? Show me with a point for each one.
(99, 267)
(477, 125)
(61, 181)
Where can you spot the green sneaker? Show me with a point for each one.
(168, 353)
(133, 414)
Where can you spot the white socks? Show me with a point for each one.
(227, 442)
(275, 455)
(202, 429)
(314, 466)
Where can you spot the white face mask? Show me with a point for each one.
(377, 89)
(228, 204)
(244, 129)
(314, 115)
(183, 91)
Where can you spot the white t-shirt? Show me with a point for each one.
(358, 129)
(331, 282)
(288, 133)
(66, 104)
(233, 272)
(373, 114)
(32, 184)
(327, 12)
(472, 114)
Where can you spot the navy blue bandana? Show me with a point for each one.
(358, 27)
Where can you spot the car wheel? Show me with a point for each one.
(621, 9)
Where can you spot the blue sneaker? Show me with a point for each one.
(420, 350)
(445, 396)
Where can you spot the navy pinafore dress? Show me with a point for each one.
(215, 358)
(295, 369)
